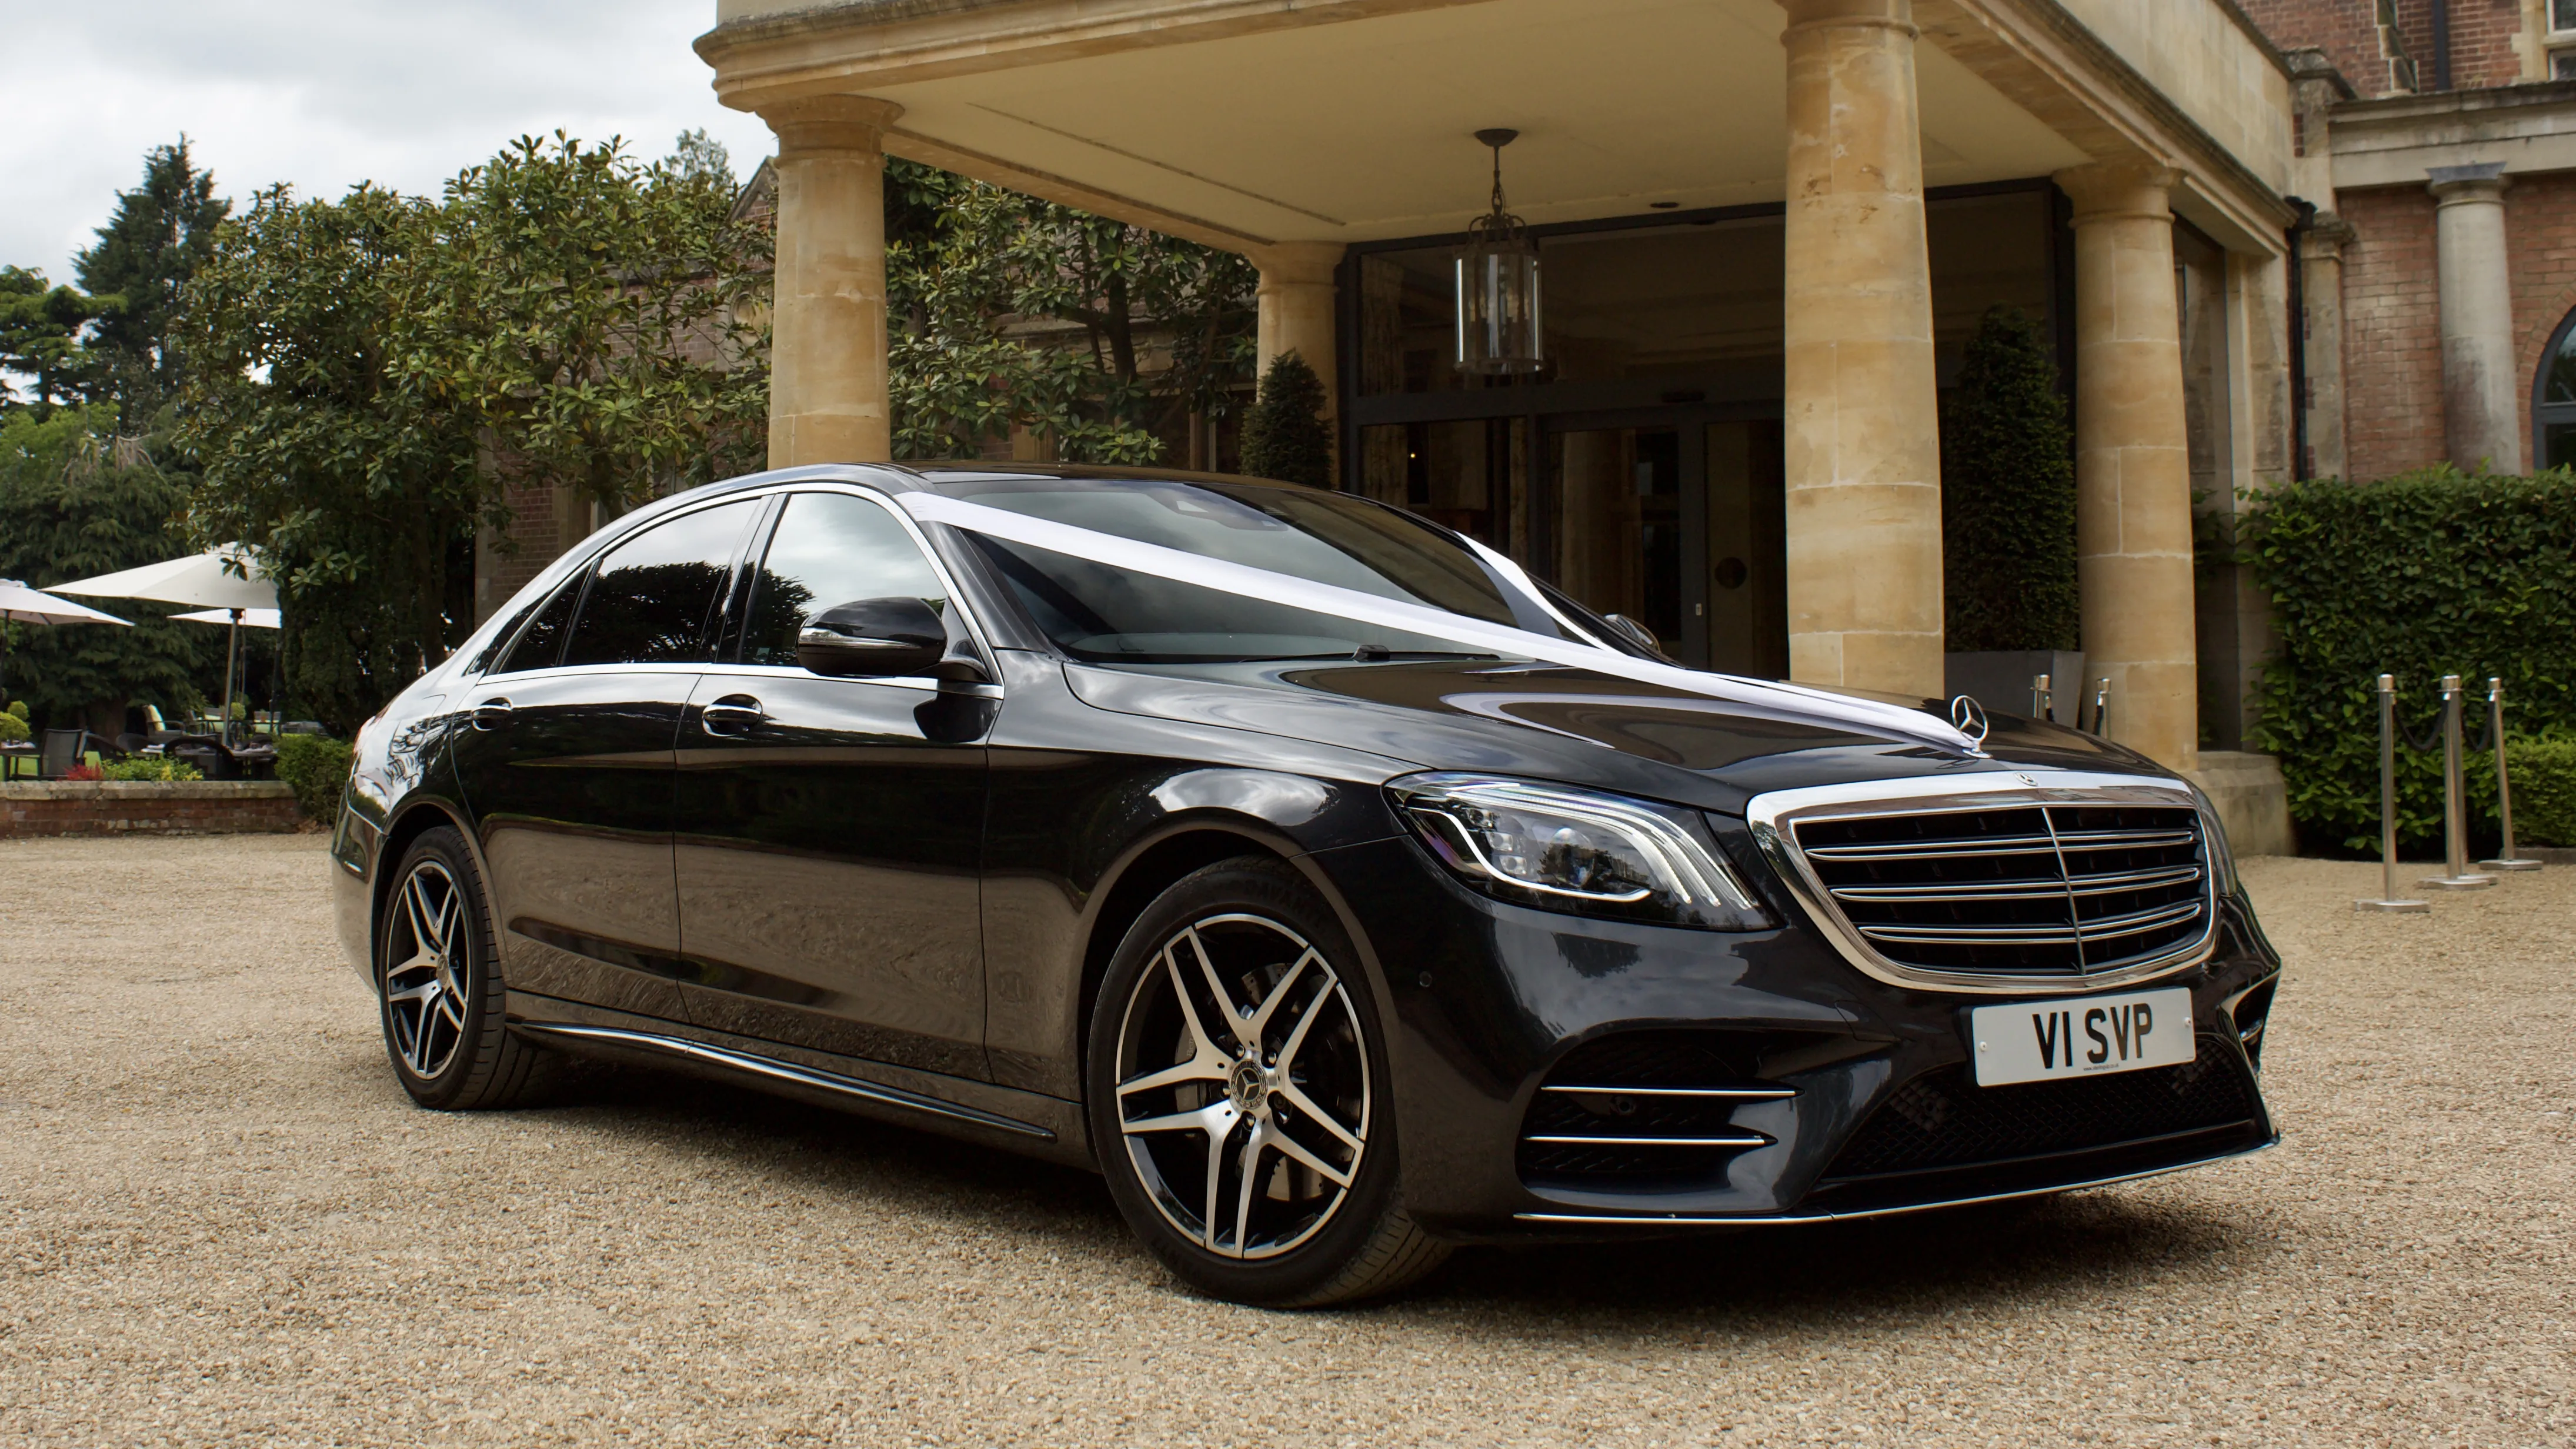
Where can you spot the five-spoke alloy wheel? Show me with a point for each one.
(1238, 1095)
(441, 996)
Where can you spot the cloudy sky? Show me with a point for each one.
(322, 94)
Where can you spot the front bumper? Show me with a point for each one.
(1863, 1104)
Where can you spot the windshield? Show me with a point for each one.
(1096, 612)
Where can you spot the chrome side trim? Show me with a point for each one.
(1641, 1220)
(1770, 817)
(1737, 1094)
(775, 1070)
(1749, 1140)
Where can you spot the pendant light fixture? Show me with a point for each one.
(1498, 328)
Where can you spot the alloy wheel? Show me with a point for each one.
(427, 959)
(1243, 1086)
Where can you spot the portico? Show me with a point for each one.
(1767, 229)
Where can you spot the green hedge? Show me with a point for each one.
(2422, 575)
(317, 767)
(2544, 791)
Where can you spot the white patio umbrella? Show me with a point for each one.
(250, 618)
(24, 605)
(202, 579)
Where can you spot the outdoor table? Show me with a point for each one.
(14, 751)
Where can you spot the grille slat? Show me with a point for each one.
(2037, 890)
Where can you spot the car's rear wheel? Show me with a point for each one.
(439, 996)
(1239, 1096)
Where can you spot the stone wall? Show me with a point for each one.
(113, 807)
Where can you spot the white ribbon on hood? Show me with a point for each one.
(1757, 697)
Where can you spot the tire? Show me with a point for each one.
(437, 992)
(1310, 1124)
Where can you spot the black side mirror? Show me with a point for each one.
(873, 638)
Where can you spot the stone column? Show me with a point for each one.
(1295, 301)
(1861, 412)
(2132, 460)
(2481, 389)
(827, 358)
(2321, 296)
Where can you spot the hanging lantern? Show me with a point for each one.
(1498, 330)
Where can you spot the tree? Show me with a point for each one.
(598, 319)
(358, 493)
(976, 275)
(158, 236)
(41, 331)
(2008, 494)
(80, 501)
(1284, 436)
(702, 158)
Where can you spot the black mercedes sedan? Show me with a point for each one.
(1337, 890)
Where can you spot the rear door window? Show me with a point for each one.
(654, 597)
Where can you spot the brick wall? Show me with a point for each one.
(2482, 41)
(2393, 315)
(2346, 30)
(126, 808)
(2392, 333)
(2540, 230)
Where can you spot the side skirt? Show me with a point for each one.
(925, 1101)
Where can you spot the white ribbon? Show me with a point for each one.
(1761, 698)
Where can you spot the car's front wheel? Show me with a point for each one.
(440, 997)
(1238, 1094)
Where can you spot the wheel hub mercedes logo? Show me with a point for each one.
(1246, 1087)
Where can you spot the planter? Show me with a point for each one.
(123, 807)
(2000, 679)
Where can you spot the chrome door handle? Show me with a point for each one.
(734, 714)
(491, 714)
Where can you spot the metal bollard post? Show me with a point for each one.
(2101, 705)
(2043, 700)
(2388, 900)
(2456, 875)
(2505, 858)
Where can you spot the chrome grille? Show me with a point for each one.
(2018, 888)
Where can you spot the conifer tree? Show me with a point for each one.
(2008, 494)
(1284, 436)
(160, 233)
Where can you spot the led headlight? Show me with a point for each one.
(1563, 849)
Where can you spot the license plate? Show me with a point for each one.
(2042, 1041)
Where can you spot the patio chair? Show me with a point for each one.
(64, 749)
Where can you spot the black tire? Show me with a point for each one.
(1304, 1240)
(441, 1005)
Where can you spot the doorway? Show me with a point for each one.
(1673, 517)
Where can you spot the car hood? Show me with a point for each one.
(1574, 725)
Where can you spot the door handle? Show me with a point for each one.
(491, 714)
(731, 715)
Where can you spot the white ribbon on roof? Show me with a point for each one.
(1758, 697)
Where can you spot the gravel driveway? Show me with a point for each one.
(221, 1221)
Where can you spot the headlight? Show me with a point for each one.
(1562, 849)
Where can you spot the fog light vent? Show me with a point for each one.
(1642, 1110)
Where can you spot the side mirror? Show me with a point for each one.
(873, 638)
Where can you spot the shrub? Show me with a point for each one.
(12, 728)
(2008, 494)
(1284, 436)
(2544, 790)
(147, 767)
(18, 710)
(316, 767)
(83, 771)
(2426, 574)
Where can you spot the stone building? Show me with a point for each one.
(1767, 227)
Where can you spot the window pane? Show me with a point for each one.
(542, 644)
(2562, 14)
(654, 593)
(831, 549)
(2558, 445)
(2561, 384)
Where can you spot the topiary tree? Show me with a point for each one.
(2008, 494)
(1284, 436)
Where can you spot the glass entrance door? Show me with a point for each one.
(1674, 520)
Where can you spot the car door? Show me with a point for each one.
(564, 760)
(829, 829)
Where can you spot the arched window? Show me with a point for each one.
(2553, 400)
